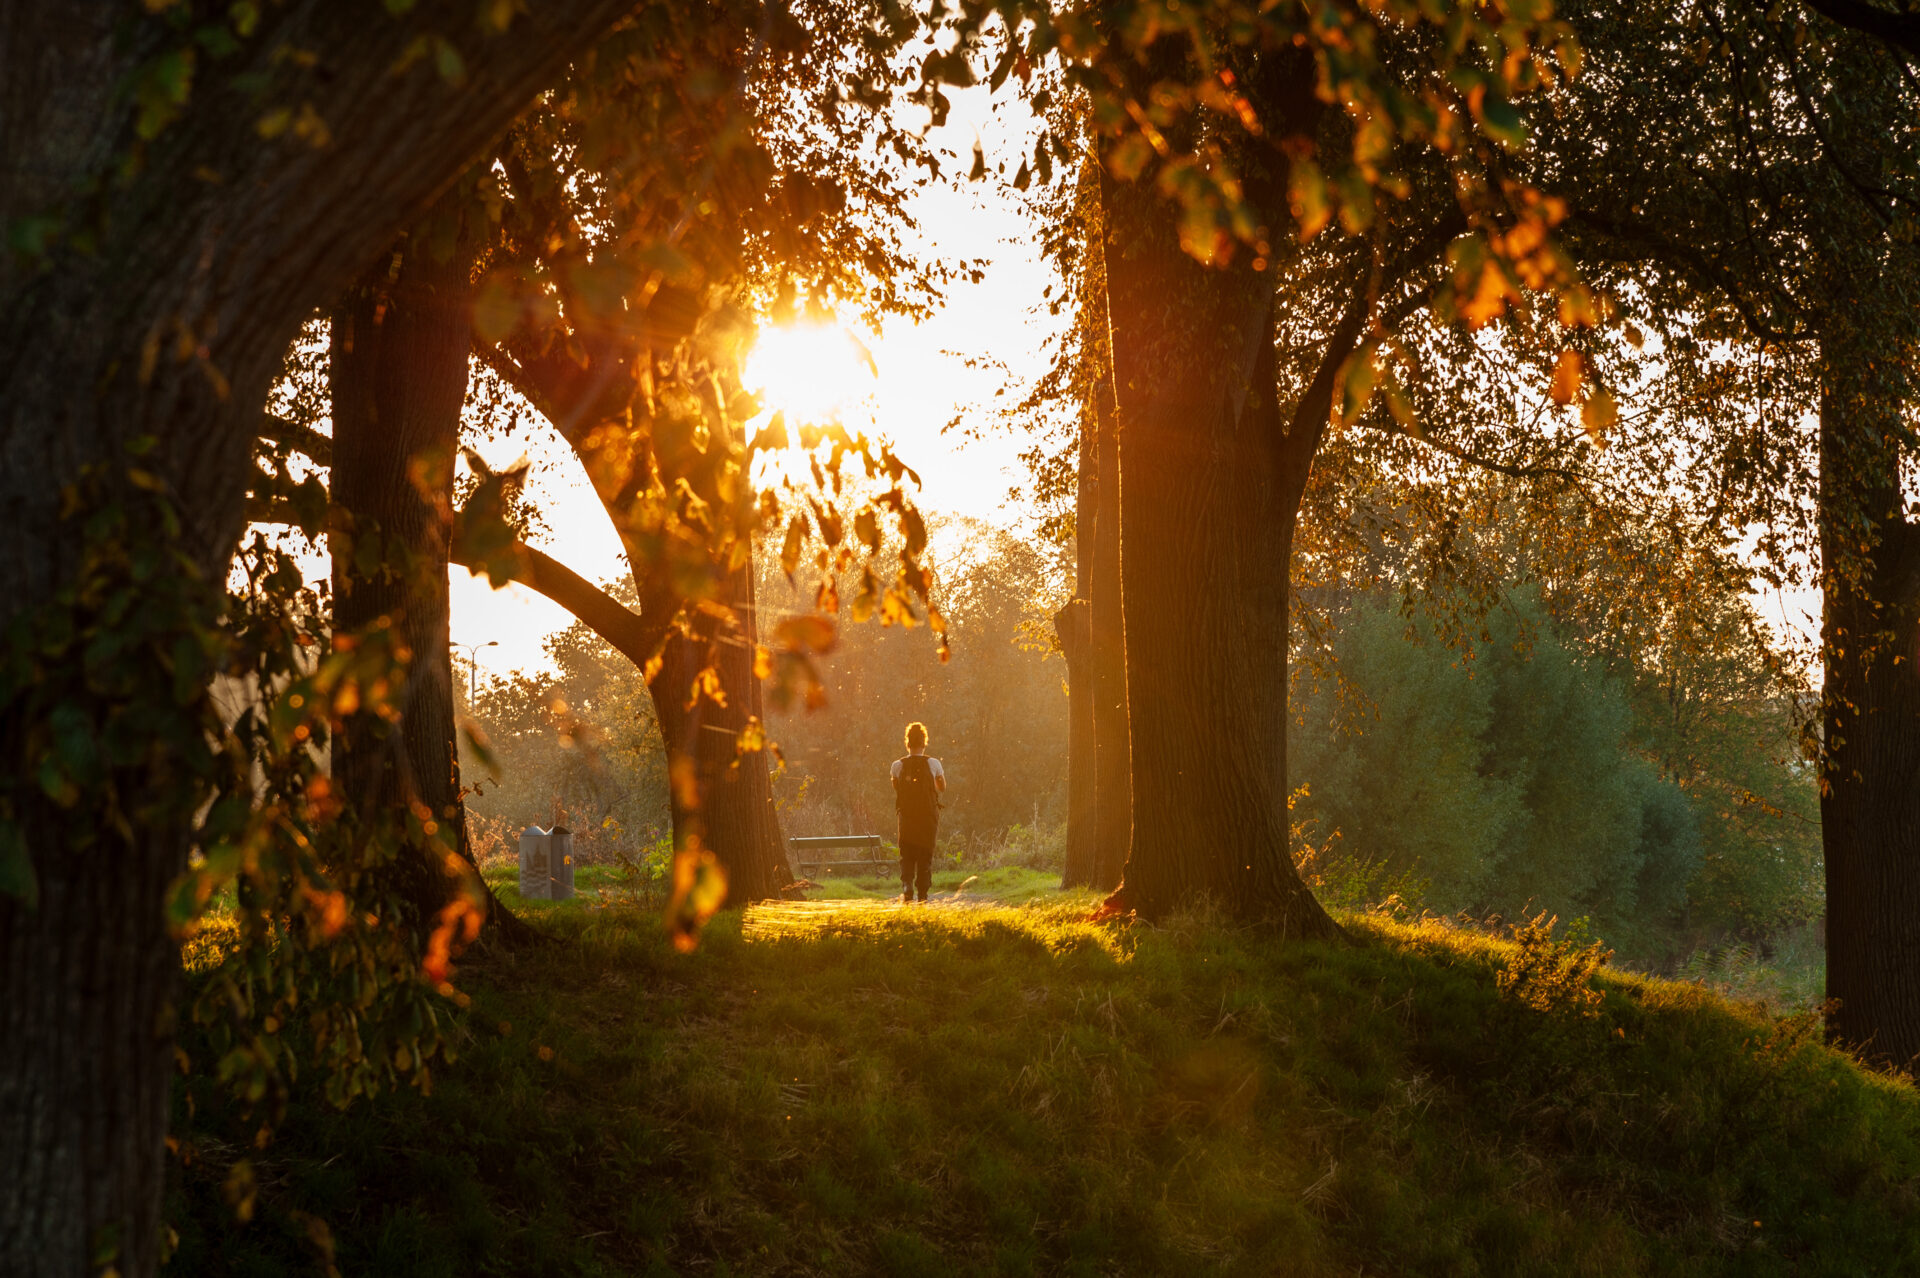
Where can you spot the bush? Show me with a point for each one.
(1499, 775)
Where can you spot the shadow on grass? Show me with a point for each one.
(857, 1087)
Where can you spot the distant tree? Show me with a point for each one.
(997, 712)
(1084, 477)
(582, 737)
(1500, 774)
(1767, 212)
(1073, 632)
(1639, 588)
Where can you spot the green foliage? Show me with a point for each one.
(581, 747)
(152, 706)
(997, 711)
(1639, 596)
(1499, 773)
(1002, 1090)
(1788, 972)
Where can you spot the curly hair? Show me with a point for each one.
(916, 736)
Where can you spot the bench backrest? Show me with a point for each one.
(835, 841)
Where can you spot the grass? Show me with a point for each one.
(609, 885)
(861, 1087)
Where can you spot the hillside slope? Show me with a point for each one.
(855, 1087)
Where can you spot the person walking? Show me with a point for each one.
(918, 782)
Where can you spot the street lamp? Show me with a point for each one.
(473, 666)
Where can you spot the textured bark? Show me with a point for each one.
(1070, 626)
(1204, 569)
(722, 798)
(1870, 646)
(168, 323)
(1073, 626)
(398, 377)
(1107, 656)
(87, 986)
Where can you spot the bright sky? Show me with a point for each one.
(924, 380)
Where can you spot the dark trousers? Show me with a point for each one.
(916, 868)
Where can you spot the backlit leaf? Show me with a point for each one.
(1598, 415)
(1566, 378)
(1356, 380)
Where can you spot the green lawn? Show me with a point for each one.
(865, 1087)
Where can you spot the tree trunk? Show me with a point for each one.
(87, 986)
(1870, 646)
(162, 326)
(723, 800)
(1107, 643)
(721, 796)
(1070, 625)
(398, 377)
(1205, 534)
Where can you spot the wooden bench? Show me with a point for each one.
(817, 854)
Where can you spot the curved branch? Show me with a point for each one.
(1509, 469)
(1308, 422)
(632, 635)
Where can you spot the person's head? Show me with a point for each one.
(916, 736)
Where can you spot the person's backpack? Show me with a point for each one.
(917, 802)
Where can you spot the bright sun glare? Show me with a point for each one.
(814, 371)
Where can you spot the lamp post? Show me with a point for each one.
(473, 666)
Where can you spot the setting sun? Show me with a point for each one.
(814, 371)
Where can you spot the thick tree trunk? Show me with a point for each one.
(1204, 577)
(1870, 786)
(87, 984)
(722, 797)
(398, 376)
(162, 326)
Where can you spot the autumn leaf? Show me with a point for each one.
(1598, 414)
(1356, 380)
(752, 738)
(806, 634)
(1566, 378)
(699, 886)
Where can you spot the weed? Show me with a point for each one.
(1553, 976)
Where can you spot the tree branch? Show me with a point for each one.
(1309, 421)
(633, 636)
(1509, 469)
(637, 636)
(304, 439)
(1899, 30)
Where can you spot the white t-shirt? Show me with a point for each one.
(938, 772)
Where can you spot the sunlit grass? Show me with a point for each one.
(853, 1085)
